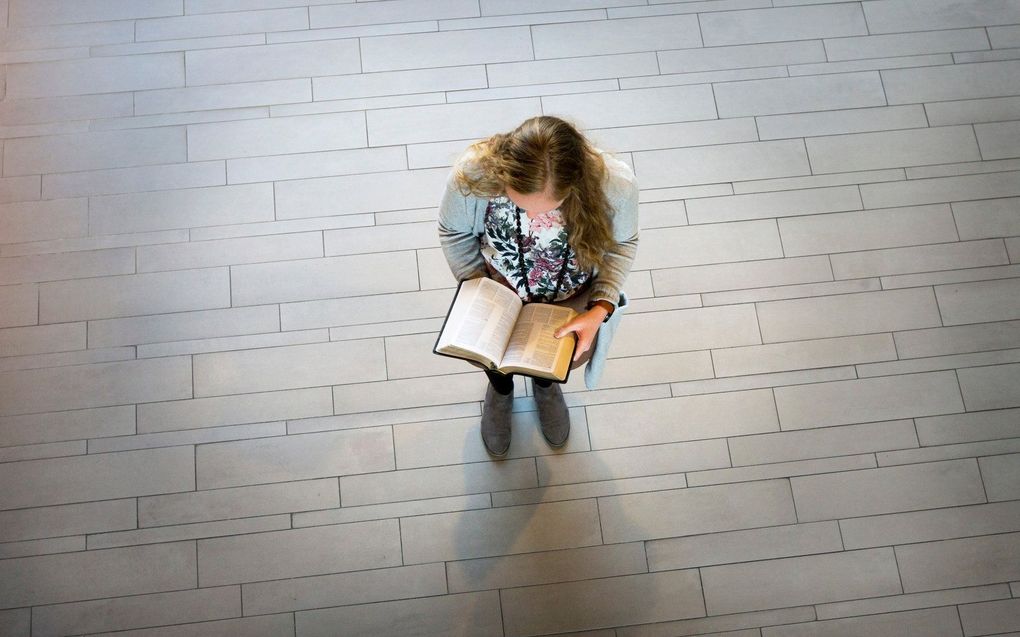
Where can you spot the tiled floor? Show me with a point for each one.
(220, 283)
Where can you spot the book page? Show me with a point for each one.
(481, 319)
(533, 348)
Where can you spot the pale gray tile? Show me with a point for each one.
(71, 265)
(393, 510)
(1000, 475)
(133, 179)
(998, 141)
(272, 62)
(182, 326)
(42, 220)
(901, 44)
(135, 294)
(204, 254)
(782, 24)
(788, 95)
(447, 48)
(800, 580)
(979, 302)
(474, 613)
(504, 531)
(986, 425)
(948, 256)
(344, 589)
(819, 181)
(42, 339)
(825, 442)
(714, 164)
(66, 425)
(951, 276)
(716, 58)
(783, 203)
(67, 35)
(197, 98)
(323, 278)
(625, 35)
(448, 121)
(296, 457)
(938, 190)
(708, 77)
(186, 44)
(956, 81)
(890, 149)
(505, 7)
(928, 622)
(238, 502)
(408, 236)
(935, 524)
(321, 164)
(409, 392)
(21, 305)
(98, 385)
(201, 435)
(991, 617)
(668, 8)
(803, 354)
(307, 133)
(993, 387)
(593, 67)
(76, 479)
(67, 520)
(280, 227)
(400, 82)
(97, 574)
(964, 168)
(243, 526)
(959, 339)
(888, 490)
(896, 603)
(545, 568)
(298, 552)
(568, 15)
(365, 310)
(141, 212)
(592, 86)
(605, 602)
(27, 188)
(991, 109)
(685, 330)
(841, 121)
(138, 611)
(354, 194)
(230, 343)
(419, 484)
(261, 626)
(209, 25)
(636, 106)
(174, 119)
(743, 546)
(40, 12)
(682, 419)
(795, 291)
(847, 314)
(908, 15)
(632, 462)
(954, 563)
(95, 75)
(867, 230)
(868, 400)
(42, 547)
(988, 218)
(86, 151)
(871, 65)
(645, 516)
(708, 244)
(590, 490)
(340, 15)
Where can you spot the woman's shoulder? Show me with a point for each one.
(621, 184)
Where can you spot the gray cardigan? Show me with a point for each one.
(462, 223)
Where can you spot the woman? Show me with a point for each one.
(543, 212)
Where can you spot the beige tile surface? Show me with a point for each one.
(221, 279)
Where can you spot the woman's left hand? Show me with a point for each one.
(586, 326)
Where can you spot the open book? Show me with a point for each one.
(489, 323)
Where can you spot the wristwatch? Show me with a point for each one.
(604, 304)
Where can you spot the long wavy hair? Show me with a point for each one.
(548, 152)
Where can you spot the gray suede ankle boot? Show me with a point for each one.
(496, 421)
(552, 413)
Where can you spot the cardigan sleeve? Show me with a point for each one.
(460, 244)
(618, 259)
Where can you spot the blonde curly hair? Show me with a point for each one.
(543, 152)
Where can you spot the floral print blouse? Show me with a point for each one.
(544, 243)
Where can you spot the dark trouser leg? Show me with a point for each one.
(502, 383)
